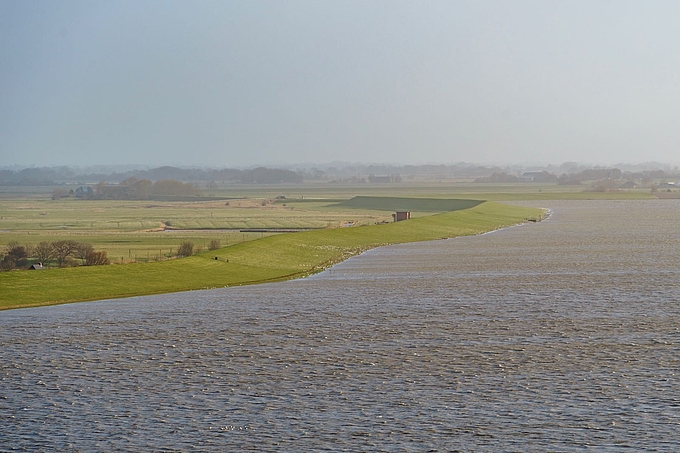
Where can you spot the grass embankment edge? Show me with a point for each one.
(270, 259)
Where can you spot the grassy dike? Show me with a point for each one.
(273, 258)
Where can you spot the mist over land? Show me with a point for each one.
(246, 84)
(135, 182)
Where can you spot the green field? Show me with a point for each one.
(442, 188)
(272, 258)
(335, 221)
(408, 204)
(134, 231)
(142, 231)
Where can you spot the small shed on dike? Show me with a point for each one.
(401, 215)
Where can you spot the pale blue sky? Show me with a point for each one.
(236, 83)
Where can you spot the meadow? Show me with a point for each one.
(151, 230)
(334, 221)
(140, 231)
(272, 258)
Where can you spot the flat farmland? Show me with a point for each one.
(432, 188)
(253, 225)
(146, 230)
(272, 258)
(151, 230)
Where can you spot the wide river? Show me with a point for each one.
(558, 336)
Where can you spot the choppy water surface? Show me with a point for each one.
(558, 336)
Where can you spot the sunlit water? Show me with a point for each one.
(557, 336)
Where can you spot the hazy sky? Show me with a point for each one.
(236, 83)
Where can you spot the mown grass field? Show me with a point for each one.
(272, 258)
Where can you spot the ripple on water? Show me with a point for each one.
(557, 336)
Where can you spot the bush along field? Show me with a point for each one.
(271, 258)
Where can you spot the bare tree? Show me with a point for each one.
(173, 187)
(63, 249)
(11, 245)
(100, 189)
(137, 189)
(44, 251)
(82, 249)
(30, 249)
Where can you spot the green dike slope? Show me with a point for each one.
(408, 204)
(273, 258)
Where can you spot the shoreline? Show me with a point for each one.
(267, 260)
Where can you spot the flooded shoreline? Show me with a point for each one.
(556, 336)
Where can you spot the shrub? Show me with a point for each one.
(8, 263)
(214, 244)
(186, 248)
(59, 193)
(96, 258)
(16, 256)
(70, 262)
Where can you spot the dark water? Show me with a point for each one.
(558, 336)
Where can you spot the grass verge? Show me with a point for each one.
(272, 258)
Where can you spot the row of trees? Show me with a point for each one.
(603, 177)
(63, 253)
(130, 189)
(60, 175)
(336, 172)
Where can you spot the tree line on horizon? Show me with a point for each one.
(599, 175)
(49, 176)
(567, 172)
(130, 189)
